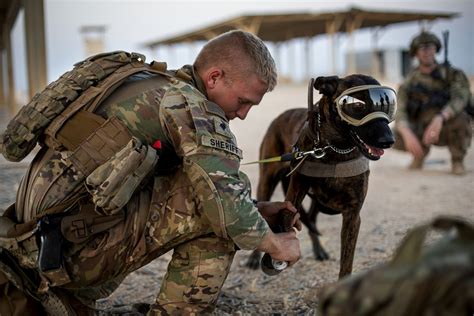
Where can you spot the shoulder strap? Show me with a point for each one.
(91, 99)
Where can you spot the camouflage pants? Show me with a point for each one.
(168, 218)
(456, 134)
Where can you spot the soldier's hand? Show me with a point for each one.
(270, 211)
(431, 135)
(282, 246)
(412, 145)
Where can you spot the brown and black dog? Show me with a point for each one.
(338, 143)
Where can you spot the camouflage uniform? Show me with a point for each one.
(423, 278)
(197, 202)
(423, 96)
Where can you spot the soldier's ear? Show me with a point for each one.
(326, 85)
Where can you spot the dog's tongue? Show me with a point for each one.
(376, 151)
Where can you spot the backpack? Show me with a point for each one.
(81, 89)
(61, 118)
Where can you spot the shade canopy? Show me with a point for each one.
(284, 27)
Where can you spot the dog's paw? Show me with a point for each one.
(320, 254)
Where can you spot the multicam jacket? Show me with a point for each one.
(446, 88)
(195, 133)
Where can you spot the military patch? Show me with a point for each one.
(221, 145)
(213, 108)
(222, 127)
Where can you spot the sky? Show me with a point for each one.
(131, 23)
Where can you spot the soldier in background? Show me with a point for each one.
(431, 105)
(196, 202)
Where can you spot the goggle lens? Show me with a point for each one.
(358, 105)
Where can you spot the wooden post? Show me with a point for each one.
(11, 101)
(332, 27)
(3, 99)
(308, 59)
(352, 24)
(35, 45)
(376, 62)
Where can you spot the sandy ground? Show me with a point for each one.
(397, 200)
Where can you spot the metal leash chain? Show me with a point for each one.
(334, 148)
(317, 153)
(340, 151)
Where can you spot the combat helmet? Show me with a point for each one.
(424, 38)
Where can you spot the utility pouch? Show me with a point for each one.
(50, 259)
(113, 183)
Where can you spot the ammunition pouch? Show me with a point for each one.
(79, 227)
(113, 183)
(92, 140)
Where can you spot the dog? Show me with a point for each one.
(332, 142)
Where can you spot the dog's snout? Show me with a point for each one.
(386, 141)
(376, 133)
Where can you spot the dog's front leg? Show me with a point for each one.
(319, 252)
(297, 190)
(349, 234)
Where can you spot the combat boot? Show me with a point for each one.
(458, 168)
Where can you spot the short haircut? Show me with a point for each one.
(239, 53)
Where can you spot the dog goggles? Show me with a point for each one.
(361, 104)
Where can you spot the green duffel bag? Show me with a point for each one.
(434, 279)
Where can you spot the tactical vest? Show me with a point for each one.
(434, 94)
(98, 152)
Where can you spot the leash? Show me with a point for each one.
(316, 153)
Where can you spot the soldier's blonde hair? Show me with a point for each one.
(239, 53)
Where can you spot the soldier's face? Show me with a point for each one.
(237, 96)
(426, 54)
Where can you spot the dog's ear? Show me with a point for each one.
(326, 85)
